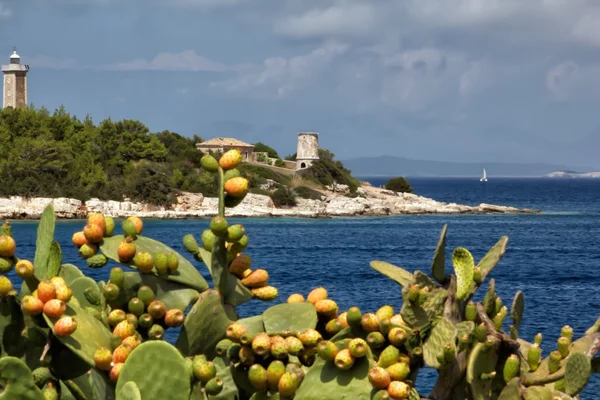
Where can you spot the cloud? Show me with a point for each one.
(587, 29)
(5, 12)
(279, 77)
(569, 79)
(187, 60)
(49, 62)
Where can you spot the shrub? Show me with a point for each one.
(284, 197)
(263, 148)
(257, 190)
(399, 184)
(306, 192)
(291, 157)
(261, 158)
(258, 175)
(279, 163)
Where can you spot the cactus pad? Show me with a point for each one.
(18, 380)
(236, 293)
(420, 315)
(151, 365)
(253, 324)
(12, 324)
(69, 273)
(129, 391)
(294, 316)
(577, 373)
(204, 326)
(86, 291)
(397, 274)
(482, 360)
(54, 260)
(443, 332)
(517, 309)
(537, 393)
(186, 273)
(173, 294)
(463, 268)
(43, 244)
(438, 266)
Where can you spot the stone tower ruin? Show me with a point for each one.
(15, 82)
(308, 149)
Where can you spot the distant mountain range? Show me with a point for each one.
(401, 166)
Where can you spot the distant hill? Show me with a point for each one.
(573, 174)
(393, 165)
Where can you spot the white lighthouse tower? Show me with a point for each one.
(307, 150)
(15, 82)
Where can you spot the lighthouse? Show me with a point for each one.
(15, 82)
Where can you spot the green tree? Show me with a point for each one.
(399, 184)
(262, 148)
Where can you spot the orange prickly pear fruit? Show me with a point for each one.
(55, 308)
(174, 318)
(120, 354)
(316, 295)
(115, 371)
(379, 378)
(124, 329)
(310, 338)
(32, 305)
(65, 326)
(236, 187)
(358, 348)
(385, 312)
(79, 239)
(46, 291)
(294, 345)
(24, 269)
(398, 390)
(295, 298)
(98, 219)
(230, 159)
(240, 264)
(265, 293)
(7, 246)
(93, 233)
(288, 384)
(261, 344)
(397, 336)
(157, 309)
(327, 308)
(258, 278)
(144, 262)
(103, 358)
(64, 293)
(235, 331)
(369, 322)
(344, 359)
(126, 250)
(343, 319)
(137, 223)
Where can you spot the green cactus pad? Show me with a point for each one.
(253, 324)
(418, 316)
(69, 273)
(12, 323)
(89, 335)
(265, 396)
(236, 294)
(537, 393)
(423, 280)
(488, 262)
(517, 309)
(464, 264)
(64, 363)
(464, 327)
(43, 244)
(577, 373)
(186, 273)
(489, 300)
(86, 291)
(482, 360)
(129, 391)
(204, 326)
(438, 266)
(294, 316)
(102, 387)
(443, 332)
(54, 260)
(224, 372)
(150, 366)
(397, 274)
(80, 387)
(512, 391)
(18, 381)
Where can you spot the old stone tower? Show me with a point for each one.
(308, 149)
(15, 83)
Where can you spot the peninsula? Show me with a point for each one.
(572, 174)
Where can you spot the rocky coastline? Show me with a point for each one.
(369, 202)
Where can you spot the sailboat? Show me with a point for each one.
(484, 177)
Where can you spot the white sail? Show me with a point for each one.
(484, 177)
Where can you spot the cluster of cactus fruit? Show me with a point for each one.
(66, 336)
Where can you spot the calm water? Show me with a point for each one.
(553, 257)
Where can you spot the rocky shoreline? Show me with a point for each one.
(370, 202)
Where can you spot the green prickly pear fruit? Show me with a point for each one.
(240, 264)
(344, 359)
(265, 293)
(32, 305)
(294, 345)
(499, 318)
(146, 295)
(533, 357)
(6, 229)
(449, 352)
(88, 250)
(385, 312)
(145, 321)
(498, 305)
(247, 338)
(327, 350)
(124, 329)
(103, 358)
(388, 356)
(480, 332)
(537, 339)
(333, 327)
(209, 163)
(231, 173)
(288, 384)
(243, 242)
(41, 376)
(157, 309)
(470, 311)
(126, 250)
(49, 392)
(257, 376)
(274, 373)
(385, 326)
(143, 262)
(375, 340)
(223, 346)
(477, 277)
(208, 239)
(295, 298)
(156, 332)
(236, 248)
(398, 371)
(235, 233)
(129, 229)
(258, 278)
(7, 246)
(381, 395)
(379, 378)
(236, 187)
(369, 322)
(230, 159)
(109, 223)
(413, 293)
(116, 316)
(397, 336)
(464, 265)
(246, 355)
(172, 263)
(204, 371)
(278, 348)
(308, 356)
(97, 261)
(235, 331)
(566, 331)
(327, 308)
(111, 291)
(511, 367)
(398, 390)
(160, 263)
(24, 269)
(310, 338)
(5, 286)
(563, 346)
(190, 244)
(354, 317)
(233, 352)
(218, 226)
(117, 276)
(136, 306)
(554, 361)
(65, 326)
(464, 340)
(358, 348)
(6, 265)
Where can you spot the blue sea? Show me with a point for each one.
(553, 257)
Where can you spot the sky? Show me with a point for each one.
(451, 80)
